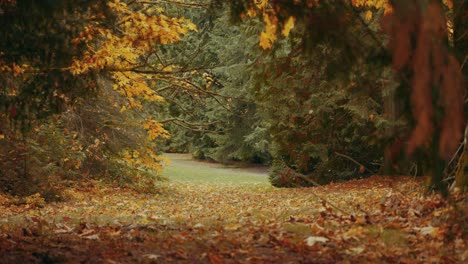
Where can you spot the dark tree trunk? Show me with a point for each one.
(460, 41)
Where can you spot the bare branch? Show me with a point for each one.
(354, 161)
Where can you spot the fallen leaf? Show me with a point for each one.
(354, 233)
(62, 228)
(357, 250)
(152, 256)
(92, 237)
(232, 227)
(429, 230)
(215, 259)
(199, 225)
(310, 241)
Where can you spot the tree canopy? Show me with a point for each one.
(184, 130)
(323, 90)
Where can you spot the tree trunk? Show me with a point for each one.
(460, 42)
(394, 163)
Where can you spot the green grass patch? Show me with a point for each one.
(390, 237)
(183, 168)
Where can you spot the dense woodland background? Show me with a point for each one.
(320, 90)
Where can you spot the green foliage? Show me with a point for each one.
(92, 140)
(56, 125)
(230, 126)
(117, 145)
(36, 46)
(320, 103)
(309, 98)
(283, 176)
(313, 102)
(36, 161)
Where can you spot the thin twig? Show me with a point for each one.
(180, 3)
(464, 62)
(186, 122)
(353, 160)
(325, 200)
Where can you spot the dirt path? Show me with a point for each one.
(375, 220)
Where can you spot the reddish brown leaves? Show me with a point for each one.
(421, 97)
(452, 96)
(418, 39)
(388, 221)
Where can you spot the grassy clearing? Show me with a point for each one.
(183, 169)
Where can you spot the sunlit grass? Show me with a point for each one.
(182, 168)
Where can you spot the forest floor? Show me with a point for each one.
(207, 215)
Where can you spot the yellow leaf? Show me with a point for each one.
(264, 42)
(251, 12)
(269, 35)
(192, 26)
(368, 15)
(288, 26)
(261, 3)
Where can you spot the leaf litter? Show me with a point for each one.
(387, 220)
